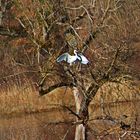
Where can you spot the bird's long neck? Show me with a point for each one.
(75, 53)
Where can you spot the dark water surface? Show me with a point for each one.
(39, 126)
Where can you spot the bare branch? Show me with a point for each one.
(106, 11)
(79, 17)
(51, 88)
(112, 63)
(72, 112)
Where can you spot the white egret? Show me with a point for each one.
(72, 58)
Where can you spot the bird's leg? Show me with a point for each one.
(79, 67)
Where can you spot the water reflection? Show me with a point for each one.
(35, 127)
(39, 126)
(114, 119)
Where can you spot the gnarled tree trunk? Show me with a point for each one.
(82, 112)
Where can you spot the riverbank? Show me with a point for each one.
(16, 101)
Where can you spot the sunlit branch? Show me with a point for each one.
(79, 17)
(43, 91)
(77, 8)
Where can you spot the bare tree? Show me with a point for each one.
(104, 31)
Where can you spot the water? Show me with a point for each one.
(44, 126)
(35, 127)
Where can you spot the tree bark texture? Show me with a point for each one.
(80, 132)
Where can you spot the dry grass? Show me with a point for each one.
(112, 92)
(16, 99)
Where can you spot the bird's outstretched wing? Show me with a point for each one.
(63, 57)
(82, 58)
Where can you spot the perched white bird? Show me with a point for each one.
(72, 58)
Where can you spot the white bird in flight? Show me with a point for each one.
(72, 58)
